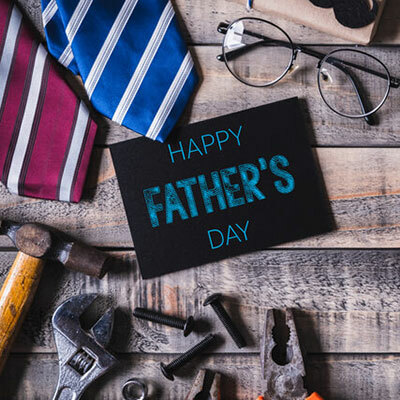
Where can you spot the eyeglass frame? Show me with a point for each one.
(296, 49)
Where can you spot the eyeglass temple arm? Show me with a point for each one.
(331, 60)
(232, 54)
(357, 88)
(341, 65)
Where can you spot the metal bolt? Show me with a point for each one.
(154, 316)
(168, 370)
(215, 301)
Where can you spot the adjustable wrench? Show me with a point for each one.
(82, 355)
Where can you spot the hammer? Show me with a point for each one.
(37, 243)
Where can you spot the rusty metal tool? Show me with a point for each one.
(283, 382)
(37, 243)
(82, 355)
(206, 386)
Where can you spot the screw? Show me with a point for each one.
(168, 370)
(215, 301)
(154, 316)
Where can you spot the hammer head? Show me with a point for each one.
(41, 241)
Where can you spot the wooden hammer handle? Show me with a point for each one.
(16, 296)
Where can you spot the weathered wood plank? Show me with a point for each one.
(363, 186)
(100, 212)
(326, 128)
(220, 93)
(347, 301)
(201, 17)
(352, 377)
(348, 298)
(199, 20)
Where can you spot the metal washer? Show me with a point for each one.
(137, 383)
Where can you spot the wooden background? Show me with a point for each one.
(345, 285)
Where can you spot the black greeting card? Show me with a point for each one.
(222, 187)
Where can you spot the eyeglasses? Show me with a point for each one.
(351, 82)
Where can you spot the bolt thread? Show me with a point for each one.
(159, 318)
(229, 324)
(191, 353)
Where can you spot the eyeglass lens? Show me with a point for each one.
(260, 53)
(256, 52)
(347, 87)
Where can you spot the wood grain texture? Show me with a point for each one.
(218, 92)
(346, 301)
(341, 377)
(363, 185)
(199, 20)
(201, 17)
(303, 12)
(16, 296)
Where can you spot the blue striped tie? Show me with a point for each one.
(134, 63)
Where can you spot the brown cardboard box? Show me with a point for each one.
(305, 13)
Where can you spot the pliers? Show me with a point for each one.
(283, 382)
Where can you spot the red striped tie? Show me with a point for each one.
(46, 134)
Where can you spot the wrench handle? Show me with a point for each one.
(16, 296)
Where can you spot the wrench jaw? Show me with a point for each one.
(282, 382)
(68, 313)
(82, 356)
(102, 329)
